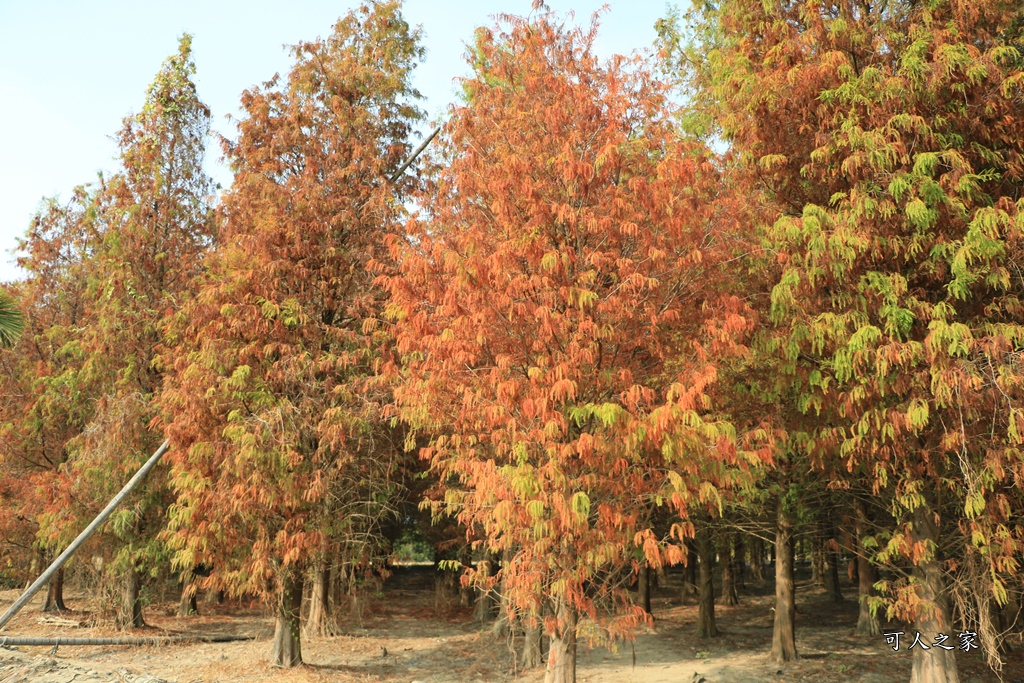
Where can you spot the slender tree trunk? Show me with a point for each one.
(213, 597)
(445, 590)
(1013, 611)
(730, 596)
(339, 586)
(483, 610)
(466, 593)
(188, 604)
(55, 594)
(832, 586)
(319, 621)
(784, 633)
(643, 583)
(756, 558)
(936, 665)
(867, 624)
(287, 650)
(38, 563)
(130, 612)
(690, 571)
(41, 558)
(830, 560)
(333, 585)
(706, 627)
(502, 624)
(562, 649)
(532, 657)
(817, 560)
(739, 562)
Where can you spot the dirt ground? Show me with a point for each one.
(402, 638)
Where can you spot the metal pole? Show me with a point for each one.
(84, 536)
(412, 157)
(16, 640)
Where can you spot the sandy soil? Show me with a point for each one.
(401, 638)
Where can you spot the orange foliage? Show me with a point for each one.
(553, 310)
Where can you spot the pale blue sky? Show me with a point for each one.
(71, 70)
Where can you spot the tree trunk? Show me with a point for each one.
(706, 627)
(55, 594)
(319, 621)
(830, 560)
(213, 597)
(739, 562)
(483, 610)
(445, 590)
(130, 612)
(817, 560)
(38, 563)
(756, 559)
(690, 571)
(562, 650)
(867, 624)
(466, 595)
(502, 624)
(188, 605)
(936, 665)
(355, 600)
(1013, 610)
(532, 657)
(287, 650)
(784, 633)
(466, 592)
(730, 596)
(346, 591)
(643, 584)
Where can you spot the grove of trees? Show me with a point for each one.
(765, 276)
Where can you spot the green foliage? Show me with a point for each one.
(882, 141)
(11, 321)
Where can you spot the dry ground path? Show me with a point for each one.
(401, 638)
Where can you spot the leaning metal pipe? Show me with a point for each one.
(6, 641)
(84, 536)
(412, 157)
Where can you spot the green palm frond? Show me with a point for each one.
(11, 321)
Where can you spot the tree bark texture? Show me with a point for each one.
(643, 584)
(54, 601)
(706, 627)
(756, 559)
(319, 621)
(935, 665)
(188, 604)
(532, 656)
(739, 561)
(562, 649)
(502, 623)
(690, 571)
(287, 650)
(730, 573)
(130, 611)
(830, 559)
(867, 624)
(784, 632)
(483, 610)
(818, 559)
